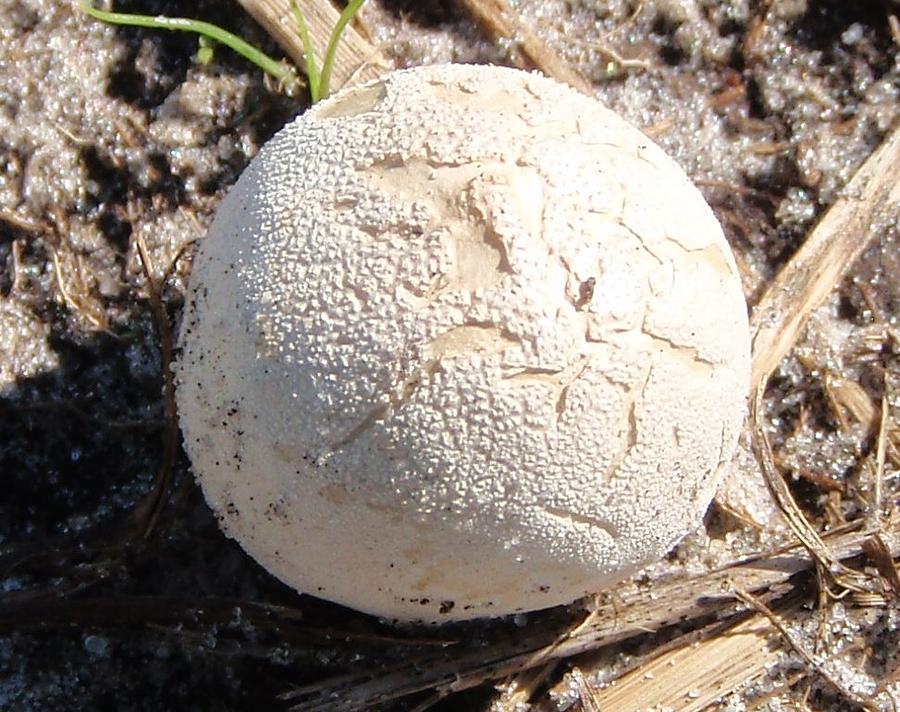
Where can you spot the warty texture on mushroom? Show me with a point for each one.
(461, 342)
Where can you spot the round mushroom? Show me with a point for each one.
(461, 342)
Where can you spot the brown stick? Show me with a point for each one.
(693, 675)
(503, 22)
(148, 511)
(868, 204)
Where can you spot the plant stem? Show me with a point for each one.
(312, 68)
(345, 18)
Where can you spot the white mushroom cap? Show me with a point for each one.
(461, 342)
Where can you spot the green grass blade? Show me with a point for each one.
(345, 18)
(312, 68)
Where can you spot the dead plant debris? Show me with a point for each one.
(688, 637)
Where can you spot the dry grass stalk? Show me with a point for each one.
(870, 199)
(617, 62)
(427, 703)
(879, 553)
(519, 690)
(894, 25)
(74, 300)
(587, 693)
(501, 21)
(691, 677)
(844, 576)
(636, 611)
(16, 266)
(811, 661)
(755, 30)
(850, 398)
(19, 224)
(69, 274)
(356, 59)
(522, 685)
(880, 457)
(148, 510)
(528, 680)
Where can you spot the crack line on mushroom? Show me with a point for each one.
(673, 346)
(563, 396)
(561, 380)
(633, 393)
(402, 395)
(637, 236)
(482, 336)
(570, 517)
(712, 254)
(534, 373)
(399, 397)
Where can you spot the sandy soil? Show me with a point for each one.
(112, 136)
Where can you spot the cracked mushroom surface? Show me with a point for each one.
(461, 342)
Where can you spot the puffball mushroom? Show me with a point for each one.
(461, 342)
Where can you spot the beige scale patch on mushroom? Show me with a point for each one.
(461, 343)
